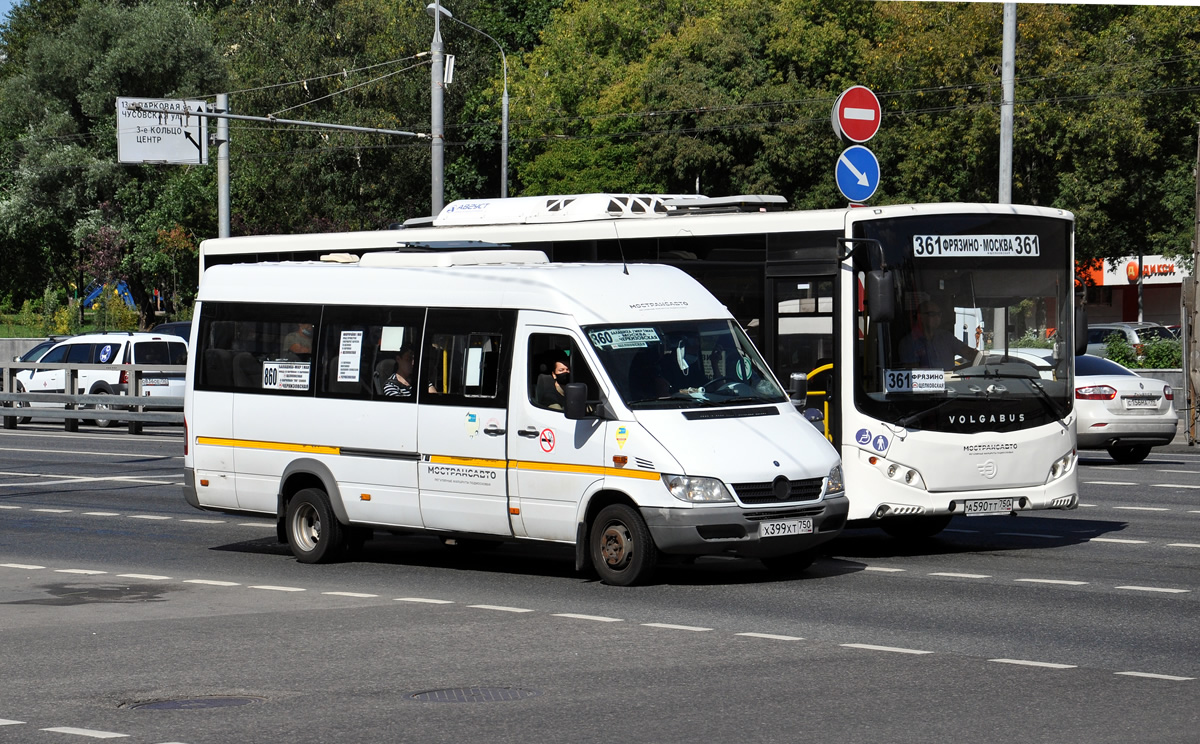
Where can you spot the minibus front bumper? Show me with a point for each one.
(736, 529)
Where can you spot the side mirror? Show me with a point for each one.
(1081, 330)
(576, 393)
(798, 388)
(881, 296)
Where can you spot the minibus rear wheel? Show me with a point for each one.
(620, 546)
(312, 529)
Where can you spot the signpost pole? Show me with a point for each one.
(223, 166)
(1007, 75)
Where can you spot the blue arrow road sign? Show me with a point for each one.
(857, 173)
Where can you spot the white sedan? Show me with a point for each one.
(1121, 411)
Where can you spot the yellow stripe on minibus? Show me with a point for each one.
(590, 469)
(315, 449)
(477, 462)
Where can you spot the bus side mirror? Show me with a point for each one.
(798, 388)
(576, 393)
(1081, 330)
(881, 296)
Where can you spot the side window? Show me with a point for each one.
(151, 352)
(466, 357)
(80, 354)
(370, 353)
(255, 347)
(554, 361)
(107, 352)
(56, 355)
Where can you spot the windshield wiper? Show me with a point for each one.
(741, 399)
(1048, 401)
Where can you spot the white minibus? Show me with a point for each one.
(487, 395)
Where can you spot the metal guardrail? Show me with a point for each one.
(132, 406)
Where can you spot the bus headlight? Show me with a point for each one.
(834, 483)
(694, 489)
(1061, 466)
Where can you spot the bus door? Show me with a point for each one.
(553, 461)
(462, 420)
(803, 339)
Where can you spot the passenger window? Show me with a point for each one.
(466, 356)
(554, 361)
(365, 351)
(256, 347)
(80, 354)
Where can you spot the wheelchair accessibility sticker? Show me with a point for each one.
(864, 437)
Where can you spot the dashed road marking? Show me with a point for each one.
(1185, 472)
(597, 618)
(885, 569)
(204, 521)
(102, 514)
(10, 722)
(1183, 545)
(8, 506)
(351, 594)
(147, 577)
(269, 588)
(962, 532)
(669, 626)
(1172, 485)
(771, 636)
(53, 511)
(81, 571)
(1118, 540)
(90, 733)
(211, 582)
(1044, 664)
(148, 516)
(499, 608)
(961, 575)
(1148, 675)
(424, 600)
(1063, 582)
(1109, 483)
(1164, 590)
(1143, 508)
(890, 649)
(22, 566)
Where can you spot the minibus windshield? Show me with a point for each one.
(683, 364)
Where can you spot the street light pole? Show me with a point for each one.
(437, 129)
(435, 9)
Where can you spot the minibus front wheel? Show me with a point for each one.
(620, 546)
(313, 531)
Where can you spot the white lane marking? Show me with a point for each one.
(964, 532)
(499, 608)
(22, 566)
(211, 582)
(253, 524)
(269, 588)
(1143, 508)
(102, 514)
(141, 455)
(204, 521)
(1172, 485)
(669, 626)
(1109, 483)
(147, 516)
(424, 600)
(884, 569)
(8, 506)
(1062, 582)
(1163, 590)
(53, 511)
(1027, 534)
(9, 722)
(147, 577)
(1183, 545)
(1045, 664)
(962, 575)
(1193, 511)
(1118, 540)
(1089, 506)
(597, 618)
(81, 571)
(771, 636)
(1148, 675)
(892, 649)
(1185, 472)
(350, 594)
(69, 479)
(90, 733)
(1105, 467)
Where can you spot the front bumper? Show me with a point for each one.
(734, 529)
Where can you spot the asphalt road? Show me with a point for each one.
(125, 612)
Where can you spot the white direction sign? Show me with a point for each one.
(158, 130)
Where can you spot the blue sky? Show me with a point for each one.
(4, 6)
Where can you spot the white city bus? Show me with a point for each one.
(836, 295)
(481, 396)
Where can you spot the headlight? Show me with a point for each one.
(1061, 466)
(693, 489)
(834, 483)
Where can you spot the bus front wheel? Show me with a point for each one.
(313, 531)
(620, 546)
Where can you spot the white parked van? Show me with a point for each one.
(489, 395)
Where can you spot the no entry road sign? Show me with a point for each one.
(856, 114)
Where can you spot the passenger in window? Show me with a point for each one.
(299, 342)
(930, 345)
(399, 385)
(550, 393)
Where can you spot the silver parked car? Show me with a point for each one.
(1135, 334)
(1121, 411)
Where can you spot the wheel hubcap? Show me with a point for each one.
(616, 545)
(308, 527)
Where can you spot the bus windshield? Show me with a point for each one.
(683, 364)
(980, 336)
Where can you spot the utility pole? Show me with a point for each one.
(1007, 75)
(223, 167)
(437, 129)
(1187, 329)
